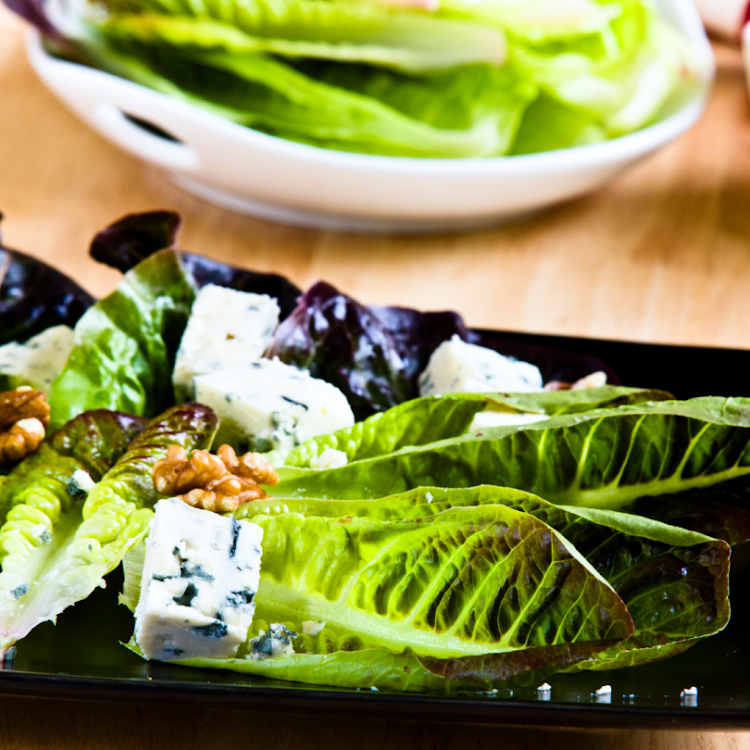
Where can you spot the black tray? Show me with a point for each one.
(80, 657)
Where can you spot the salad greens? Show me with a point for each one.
(125, 344)
(603, 458)
(448, 79)
(420, 553)
(55, 548)
(674, 582)
(35, 297)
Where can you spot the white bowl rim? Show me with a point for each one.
(621, 148)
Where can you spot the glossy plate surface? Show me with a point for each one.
(80, 657)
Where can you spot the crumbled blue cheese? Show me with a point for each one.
(330, 458)
(226, 328)
(80, 484)
(200, 578)
(269, 405)
(458, 367)
(272, 644)
(312, 627)
(38, 361)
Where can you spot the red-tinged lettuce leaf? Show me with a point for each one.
(341, 341)
(135, 237)
(93, 441)
(36, 14)
(55, 549)
(375, 354)
(97, 439)
(34, 297)
(539, 663)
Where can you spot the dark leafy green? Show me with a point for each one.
(34, 297)
(136, 237)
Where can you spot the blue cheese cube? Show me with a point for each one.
(226, 328)
(458, 367)
(200, 578)
(38, 361)
(270, 405)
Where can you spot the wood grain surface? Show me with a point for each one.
(662, 254)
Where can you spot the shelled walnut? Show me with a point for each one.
(219, 483)
(24, 415)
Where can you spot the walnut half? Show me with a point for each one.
(218, 483)
(24, 415)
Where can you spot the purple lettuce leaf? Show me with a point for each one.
(35, 296)
(535, 664)
(35, 13)
(135, 237)
(375, 354)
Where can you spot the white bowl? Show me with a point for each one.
(254, 173)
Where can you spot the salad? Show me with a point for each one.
(416, 78)
(409, 525)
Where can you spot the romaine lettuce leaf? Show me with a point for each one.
(125, 344)
(54, 549)
(674, 582)
(489, 582)
(437, 418)
(605, 458)
(341, 30)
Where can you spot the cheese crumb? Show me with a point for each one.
(604, 690)
(330, 458)
(689, 691)
(429, 497)
(545, 688)
(312, 627)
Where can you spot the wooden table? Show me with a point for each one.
(663, 254)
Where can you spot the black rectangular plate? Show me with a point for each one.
(80, 657)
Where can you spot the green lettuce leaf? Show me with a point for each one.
(674, 582)
(436, 418)
(125, 344)
(468, 111)
(339, 30)
(93, 441)
(488, 582)
(605, 458)
(475, 580)
(55, 550)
